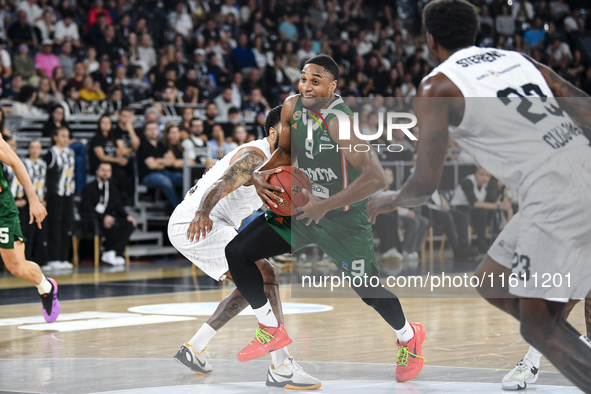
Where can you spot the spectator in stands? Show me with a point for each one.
(36, 244)
(242, 55)
(31, 10)
(522, 11)
(66, 60)
(45, 26)
(94, 15)
(172, 140)
(239, 137)
(21, 32)
(257, 132)
(46, 61)
(108, 45)
(45, 97)
(275, 75)
(12, 88)
(116, 102)
(24, 65)
(146, 53)
(187, 115)
(559, 55)
(195, 144)
(153, 159)
(211, 112)
(66, 30)
(257, 103)
(91, 91)
(78, 75)
(223, 103)
(25, 102)
(287, 30)
(104, 75)
(180, 22)
(61, 187)
(102, 198)
(72, 103)
(107, 147)
(55, 121)
(535, 35)
(91, 64)
(472, 196)
(218, 145)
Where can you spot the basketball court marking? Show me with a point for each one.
(208, 308)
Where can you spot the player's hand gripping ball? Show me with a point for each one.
(293, 181)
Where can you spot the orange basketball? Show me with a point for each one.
(293, 181)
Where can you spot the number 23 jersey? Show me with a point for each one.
(512, 123)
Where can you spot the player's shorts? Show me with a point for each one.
(549, 240)
(10, 231)
(208, 254)
(345, 237)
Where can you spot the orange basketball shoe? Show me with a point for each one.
(266, 340)
(410, 360)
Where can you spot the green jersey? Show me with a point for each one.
(10, 228)
(324, 163)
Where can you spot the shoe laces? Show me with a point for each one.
(402, 356)
(262, 335)
(296, 367)
(521, 368)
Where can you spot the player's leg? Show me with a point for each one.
(258, 242)
(14, 259)
(526, 372)
(544, 326)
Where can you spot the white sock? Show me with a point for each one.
(278, 356)
(534, 356)
(266, 316)
(406, 333)
(45, 286)
(202, 338)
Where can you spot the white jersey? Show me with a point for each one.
(512, 123)
(236, 205)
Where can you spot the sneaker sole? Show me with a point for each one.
(57, 306)
(191, 369)
(294, 386)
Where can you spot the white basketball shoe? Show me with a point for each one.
(519, 377)
(290, 375)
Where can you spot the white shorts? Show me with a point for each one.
(208, 254)
(549, 239)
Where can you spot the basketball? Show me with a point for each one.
(293, 181)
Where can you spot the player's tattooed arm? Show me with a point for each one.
(238, 174)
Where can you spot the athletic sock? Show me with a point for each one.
(405, 334)
(202, 338)
(45, 286)
(278, 356)
(266, 316)
(534, 356)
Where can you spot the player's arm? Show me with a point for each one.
(36, 209)
(238, 173)
(573, 100)
(432, 115)
(371, 179)
(281, 157)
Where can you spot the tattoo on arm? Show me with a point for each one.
(235, 176)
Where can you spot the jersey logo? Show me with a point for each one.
(280, 220)
(297, 115)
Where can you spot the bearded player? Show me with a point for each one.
(526, 134)
(335, 220)
(201, 227)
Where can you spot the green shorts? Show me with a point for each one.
(10, 231)
(345, 237)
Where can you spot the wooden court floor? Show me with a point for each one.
(460, 332)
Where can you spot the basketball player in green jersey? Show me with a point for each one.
(12, 241)
(335, 217)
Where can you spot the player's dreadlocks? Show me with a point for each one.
(452, 23)
(328, 63)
